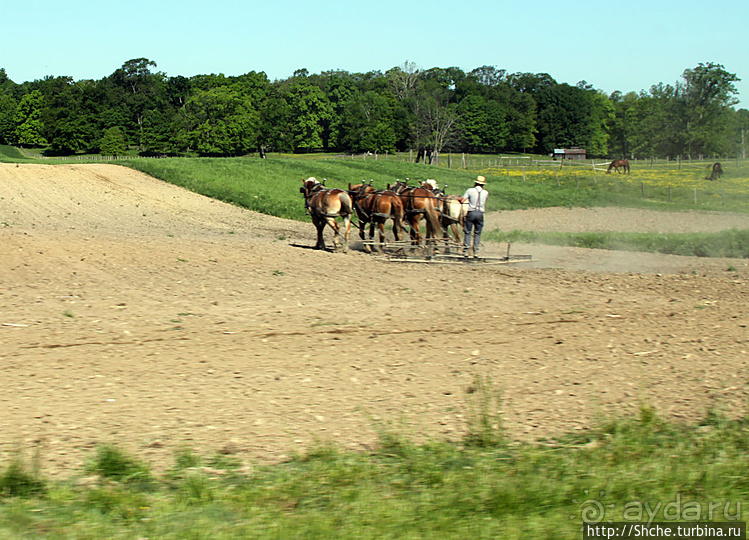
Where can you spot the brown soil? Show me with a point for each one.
(135, 312)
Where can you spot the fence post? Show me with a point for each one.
(642, 188)
(695, 194)
(523, 173)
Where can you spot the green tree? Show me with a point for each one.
(219, 122)
(310, 110)
(368, 123)
(623, 124)
(7, 119)
(741, 131)
(28, 120)
(136, 90)
(708, 92)
(113, 142)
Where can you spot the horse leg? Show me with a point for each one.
(336, 233)
(346, 232)
(415, 231)
(454, 227)
(319, 225)
(372, 233)
(362, 227)
(397, 228)
(381, 227)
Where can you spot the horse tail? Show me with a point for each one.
(433, 222)
(347, 206)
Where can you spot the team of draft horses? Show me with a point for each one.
(400, 203)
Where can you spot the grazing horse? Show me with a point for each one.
(717, 172)
(376, 207)
(324, 205)
(617, 164)
(452, 210)
(418, 202)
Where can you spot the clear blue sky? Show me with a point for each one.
(615, 45)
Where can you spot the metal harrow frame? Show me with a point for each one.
(438, 251)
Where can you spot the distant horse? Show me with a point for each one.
(617, 164)
(717, 172)
(452, 210)
(376, 207)
(324, 205)
(418, 202)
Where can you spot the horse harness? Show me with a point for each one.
(311, 192)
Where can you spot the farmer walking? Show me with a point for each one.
(476, 197)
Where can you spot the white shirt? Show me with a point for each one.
(477, 197)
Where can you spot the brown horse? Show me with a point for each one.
(619, 164)
(717, 172)
(376, 207)
(324, 205)
(418, 202)
(452, 210)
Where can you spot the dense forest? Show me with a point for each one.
(486, 110)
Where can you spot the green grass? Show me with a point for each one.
(402, 489)
(9, 154)
(271, 186)
(730, 243)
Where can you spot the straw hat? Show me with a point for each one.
(480, 180)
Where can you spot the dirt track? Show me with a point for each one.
(132, 311)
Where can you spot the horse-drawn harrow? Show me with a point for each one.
(437, 251)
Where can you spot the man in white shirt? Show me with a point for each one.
(474, 222)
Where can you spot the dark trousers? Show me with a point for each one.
(474, 224)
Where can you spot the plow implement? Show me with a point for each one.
(439, 251)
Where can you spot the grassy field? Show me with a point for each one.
(271, 186)
(480, 487)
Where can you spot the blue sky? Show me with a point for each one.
(612, 45)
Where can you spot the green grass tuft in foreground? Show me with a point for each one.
(436, 489)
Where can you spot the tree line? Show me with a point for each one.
(486, 110)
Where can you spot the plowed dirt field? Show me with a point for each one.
(135, 312)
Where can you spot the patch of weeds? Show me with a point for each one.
(113, 463)
(185, 458)
(69, 314)
(731, 268)
(224, 462)
(116, 501)
(281, 237)
(20, 480)
(278, 273)
(484, 413)
(194, 488)
(179, 259)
